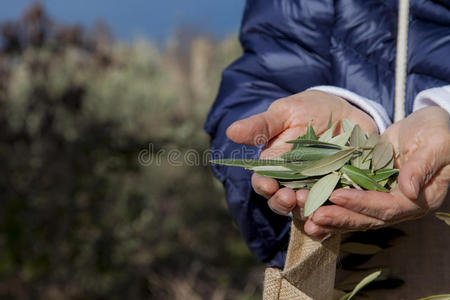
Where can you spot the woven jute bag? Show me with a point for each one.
(309, 270)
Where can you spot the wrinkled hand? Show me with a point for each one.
(422, 149)
(286, 119)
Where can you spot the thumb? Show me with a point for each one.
(260, 128)
(420, 168)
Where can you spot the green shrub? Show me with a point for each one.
(80, 217)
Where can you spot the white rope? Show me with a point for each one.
(401, 59)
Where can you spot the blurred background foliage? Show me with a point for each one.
(80, 218)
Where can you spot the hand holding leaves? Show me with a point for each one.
(286, 119)
(421, 145)
(322, 166)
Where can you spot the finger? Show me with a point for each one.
(344, 219)
(301, 197)
(283, 201)
(420, 169)
(317, 231)
(264, 186)
(427, 151)
(260, 128)
(388, 207)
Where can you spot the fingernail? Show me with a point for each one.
(325, 238)
(279, 212)
(336, 199)
(416, 186)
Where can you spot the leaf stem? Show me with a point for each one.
(352, 182)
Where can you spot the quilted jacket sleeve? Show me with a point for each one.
(282, 55)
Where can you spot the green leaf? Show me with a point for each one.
(382, 154)
(346, 125)
(320, 192)
(250, 163)
(360, 248)
(341, 139)
(330, 120)
(354, 277)
(329, 164)
(362, 179)
(286, 175)
(370, 143)
(437, 297)
(314, 143)
(358, 139)
(443, 216)
(328, 134)
(383, 174)
(383, 182)
(372, 140)
(299, 184)
(297, 166)
(308, 153)
(271, 168)
(368, 279)
(310, 133)
(390, 164)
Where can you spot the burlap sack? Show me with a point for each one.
(309, 270)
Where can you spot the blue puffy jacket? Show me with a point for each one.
(290, 46)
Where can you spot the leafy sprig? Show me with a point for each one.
(352, 159)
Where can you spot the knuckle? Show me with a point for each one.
(278, 104)
(284, 199)
(348, 220)
(321, 216)
(390, 213)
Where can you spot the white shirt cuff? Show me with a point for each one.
(439, 96)
(372, 108)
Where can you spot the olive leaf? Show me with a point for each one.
(328, 134)
(383, 174)
(360, 248)
(330, 163)
(443, 216)
(249, 163)
(362, 179)
(341, 139)
(382, 154)
(320, 192)
(299, 184)
(368, 279)
(356, 276)
(345, 181)
(308, 153)
(346, 125)
(358, 139)
(383, 182)
(372, 140)
(297, 166)
(286, 175)
(437, 297)
(271, 168)
(309, 135)
(317, 143)
(390, 164)
(370, 143)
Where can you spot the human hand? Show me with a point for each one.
(422, 149)
(286, 119)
